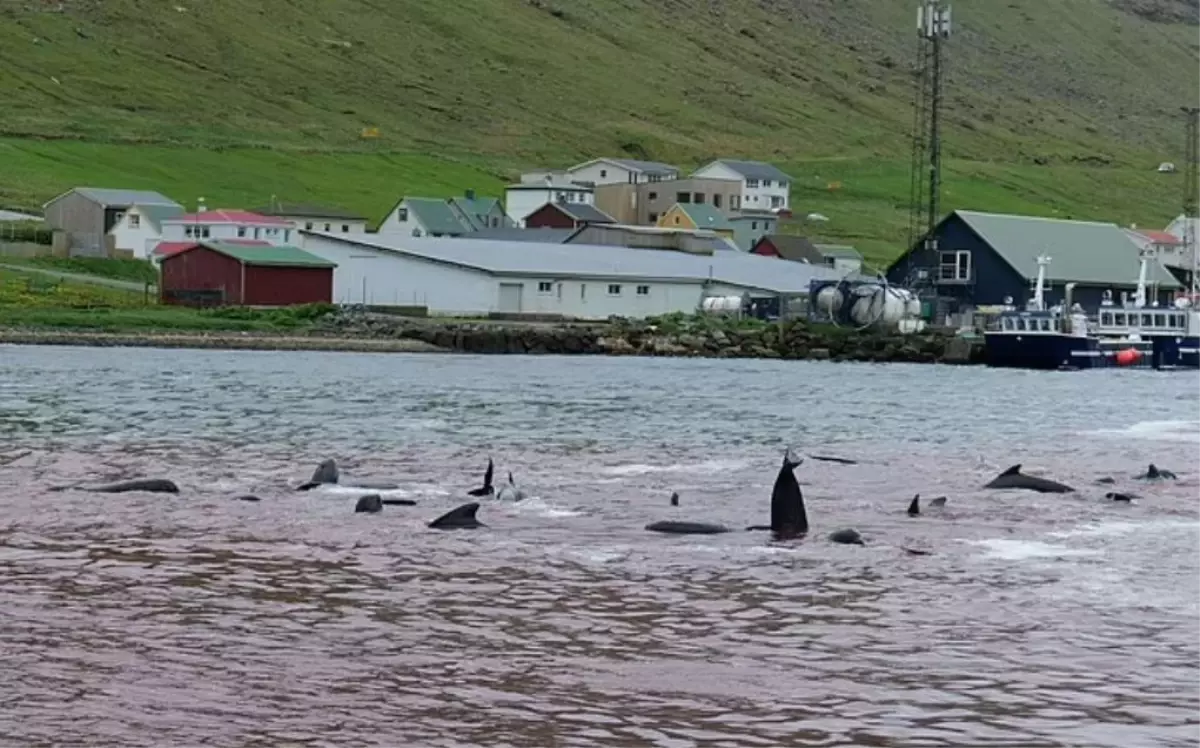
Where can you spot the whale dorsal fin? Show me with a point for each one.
(487, 475)
(915, 507)
(1014, 470)
(674, 498)
(1152, 471)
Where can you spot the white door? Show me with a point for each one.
(510, 297)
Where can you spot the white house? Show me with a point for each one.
(221, 224)
(525, 197)
(423, 216)
(331, 220)
(621, 171)
(764, 187)
(139, 229)
(479, 276)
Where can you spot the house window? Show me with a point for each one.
(752, 183)
(287, 234)
(135, 221)
(698, 198)
(307, 227)
(545, 287)
(416, 232)
(716, 201)
(783, 185)
(401, 216)
(766, 183)
(603, 173)
(614, 289)
(345, 228)
(776, 201)
(256, 230)
(495, 222)
(676, 220)
(735, 202)
(241, 232)
(683, 197)
(653, 218)
(643, 290)
(955, 266)
(754, 225)
(652, 196)
(328, 227)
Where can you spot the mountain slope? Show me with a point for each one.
(495, 85)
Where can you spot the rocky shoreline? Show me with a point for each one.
(675, 336)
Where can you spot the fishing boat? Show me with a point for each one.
(1173, 332)
(1058, 337)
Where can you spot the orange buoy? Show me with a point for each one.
(1128, 356)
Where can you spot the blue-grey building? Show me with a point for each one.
(987, 258)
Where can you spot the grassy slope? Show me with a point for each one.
(241, 100)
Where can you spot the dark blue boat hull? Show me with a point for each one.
(1176, 352)
(1053, 352)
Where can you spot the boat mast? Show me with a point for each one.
(1139, 300)
(1038, 302)
(1191, 192)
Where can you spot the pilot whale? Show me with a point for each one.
(459, 518)
(788, 516)
(150, 485)
(684, 527)
(1014, 478)
(1154, 473)
(327, 473)
(486, 489)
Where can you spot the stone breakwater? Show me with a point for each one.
(695, 337)
(669, 337)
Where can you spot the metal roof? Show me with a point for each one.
(476, 210)
(706, 216)
(123, 198)
(509, 233)
(585, 212)
(12, 215)
(844, 251)
(592, 261)
(754, 169)
(646, 167)
(276, 255)
(307, 210)
(156, 214)
(1079, 251)
(436, 215)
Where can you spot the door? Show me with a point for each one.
(510, 297)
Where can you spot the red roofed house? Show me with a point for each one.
(240, 273)
(225, 224)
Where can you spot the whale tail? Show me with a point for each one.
(486, 489)
(915, 507)
(788, 516)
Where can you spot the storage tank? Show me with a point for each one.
(881, 305)
(721, 304)
(829, 300)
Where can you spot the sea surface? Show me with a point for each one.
(197, 620)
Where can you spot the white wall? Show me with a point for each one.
(756, 195)
(137, 239)
(178, 231)
(370, 276)
(519, 203)
(330, 225)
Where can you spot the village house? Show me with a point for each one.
(244, 273)
(479, 213)
(603, 171)
(86, 215)
(840, 257)
(644, 203)
(422, 216)
(566, 216)
(184, 230)
(474, 277)
(991, 259)
(315, 217)
(763, 186)
(696, 216)
(748, 228)
(527, 196)
(139, 229)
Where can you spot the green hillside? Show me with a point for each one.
(1053, 106)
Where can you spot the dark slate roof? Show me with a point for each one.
(842, 251)
(124, 198)
(585, 212)
(796, 248)
(307, 210)
(509, 234)
(1079, 251)
(755, 170)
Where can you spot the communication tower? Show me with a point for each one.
(1191, 191)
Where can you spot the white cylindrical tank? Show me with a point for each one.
(829, 300)
(721, 304)
(882, 305)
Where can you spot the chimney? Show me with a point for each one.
(470, 194)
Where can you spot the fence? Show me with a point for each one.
(205, 298)
(25, 232)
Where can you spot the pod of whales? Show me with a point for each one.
(1014, 478)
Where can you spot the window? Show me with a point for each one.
(783, 185)
(676, 220)
(1145, 320)
(683, 197)
(256, 231)
(135, 221)
(583, 292)
(328, 227)
(752, 183)
(754, 225)
(643, 290)
(776, 201)
(545, 287)
(401, 216)
(735, 202)
(241, 232)
(1119, 319)
(416, 232)
(345, 228)
(560, 197)
(766, 183)
(614, 289)
(955, 266)
(1106, 319)
(716, 201)
(1045, 325)
(603, 173)
(307, 227)
(1160, 320)
(495, 222)
(287, 234)
(652, 196)
(698, 198)
(653, 218)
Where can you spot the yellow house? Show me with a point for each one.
(692, 216)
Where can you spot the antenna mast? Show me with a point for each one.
(1191, 192)
(933, 26)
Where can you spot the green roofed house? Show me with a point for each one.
(480, 212)
(694, 216)
(991, 259)
(240, 272)
(456, 216)
(139, 228)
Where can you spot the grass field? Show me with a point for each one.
(131, 271)
(1054, 107)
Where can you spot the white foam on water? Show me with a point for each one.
(1122, 527)
(1009, 549)
(387, 493)
(1160, 431)
(708, 466)
(538, 505)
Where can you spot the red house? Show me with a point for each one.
(229, 273)
(566, 216)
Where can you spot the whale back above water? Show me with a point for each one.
(509, 491)
(150, 485)
(678, 527)
(788, 516)
(847, 536)
(1014, 478)
(1153, 472)
(459, 518)
(371, 503)
(327, 472)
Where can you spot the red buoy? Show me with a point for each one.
(1128, 356)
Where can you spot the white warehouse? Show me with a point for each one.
(476, 277)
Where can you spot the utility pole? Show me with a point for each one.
(1191, 190)
(933, 28)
